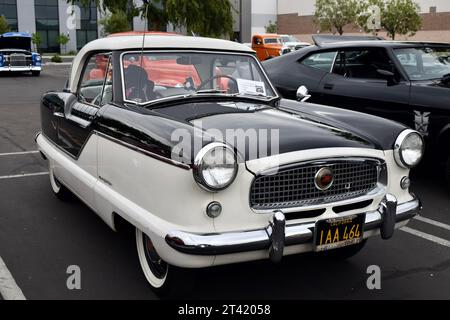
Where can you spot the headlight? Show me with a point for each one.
(215, 167)
(38, 58)
(409, 149)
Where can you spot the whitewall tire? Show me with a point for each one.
(166, 281)
(60, 191)
(154, 268)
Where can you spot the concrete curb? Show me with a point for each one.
(58, 64)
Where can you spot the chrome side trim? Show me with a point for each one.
(142, 151)
(270, 238)
(123, 143)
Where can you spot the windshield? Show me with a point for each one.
(164, 75)
(289, 39)
(425, 63)
(272, 41)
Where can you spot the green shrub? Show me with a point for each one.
(56, 58)
(72, 53)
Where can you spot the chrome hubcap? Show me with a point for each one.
(158, 267)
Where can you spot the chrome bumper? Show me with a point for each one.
(20, 69)
(277, 235)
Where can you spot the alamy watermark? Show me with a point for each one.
(374, 280)
(73, 17)
(74, 280)
(249, 144)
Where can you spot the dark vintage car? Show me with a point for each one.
(404, 81)
(221, 171)
(16, 54)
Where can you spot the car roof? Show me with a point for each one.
(268, 35)
(380, 43)
(141, 33)
(156, 42)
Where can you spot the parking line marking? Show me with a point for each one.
(9, 289)
(24, 175)
(427, 236)
(17, 153)
(433, 222)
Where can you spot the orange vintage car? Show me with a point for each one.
(267, 46)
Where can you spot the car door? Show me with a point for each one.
(295, 72)
(360, 81)
(75, 126)
(430, 95)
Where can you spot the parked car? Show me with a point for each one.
(407, 82)
(292, 42)
(168, 159)
(268, 46)
(16, 54)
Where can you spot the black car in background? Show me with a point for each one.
(404, 81)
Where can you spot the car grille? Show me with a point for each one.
(294, 186)
(19, 60)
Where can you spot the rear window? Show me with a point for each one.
(322, 60)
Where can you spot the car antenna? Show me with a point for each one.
(146, 24)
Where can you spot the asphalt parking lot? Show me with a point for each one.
(40, 237)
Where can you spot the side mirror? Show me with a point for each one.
(387, 75)
(303, 94)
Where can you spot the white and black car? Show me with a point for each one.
(154, 137)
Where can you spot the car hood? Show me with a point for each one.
(296, 132)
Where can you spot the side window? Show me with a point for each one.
(363, 63)
(322, 60)
(93, 79)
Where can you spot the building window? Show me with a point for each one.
(433, 9)
(88, 24)
(47, 24)
(8, 8)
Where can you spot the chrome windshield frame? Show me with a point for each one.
(175, 97)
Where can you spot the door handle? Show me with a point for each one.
(58, 114)
(328, 86)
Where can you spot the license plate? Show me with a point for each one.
(339, 232)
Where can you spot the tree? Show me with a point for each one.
(36, 38)
(63, 40)
(115, 22)
(398, 17)
(4, 26)
(156, 15)
(271, 27)
(113, 6)
(334, 15)
(212, 18)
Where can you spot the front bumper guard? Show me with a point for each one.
(277, 235)
(20, 69)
